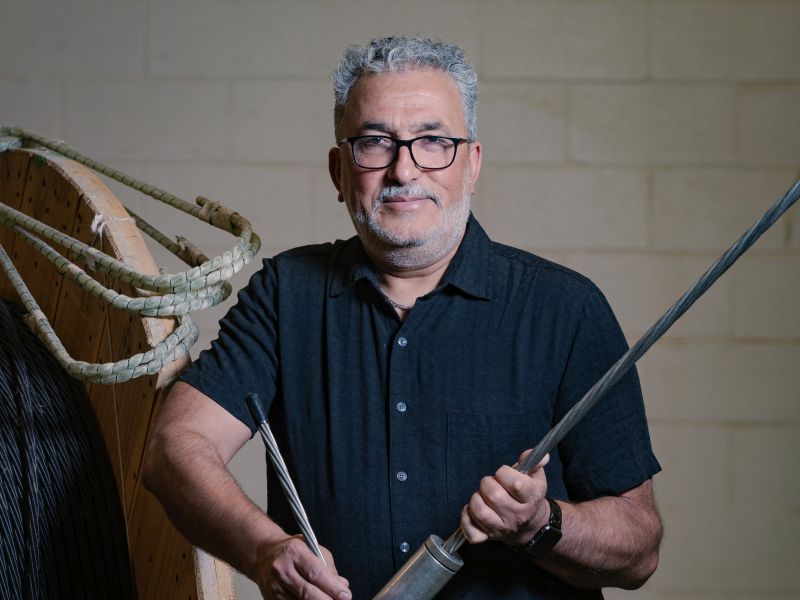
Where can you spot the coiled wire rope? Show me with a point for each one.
(63, 531)
(167, 294)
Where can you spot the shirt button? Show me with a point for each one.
(402, 342)
(401, 407)
(401, 476)
(405, 547)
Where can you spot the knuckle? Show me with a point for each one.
(315, 573)
(496, 495)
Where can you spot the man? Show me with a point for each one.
(405, 364)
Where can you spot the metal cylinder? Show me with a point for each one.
(424, 575)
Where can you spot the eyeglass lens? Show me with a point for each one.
(429, 152)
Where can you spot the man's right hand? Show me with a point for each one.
(290, 570)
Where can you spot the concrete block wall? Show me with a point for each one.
(632, 140)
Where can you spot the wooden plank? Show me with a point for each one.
(51, 199)
(13, 176)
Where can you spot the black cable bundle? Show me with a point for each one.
(62, 531)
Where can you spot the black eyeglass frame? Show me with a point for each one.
(401, 143)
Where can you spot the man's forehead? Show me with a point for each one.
(424, 99)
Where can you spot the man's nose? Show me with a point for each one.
(403, 170)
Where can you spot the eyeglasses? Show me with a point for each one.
(380, 151)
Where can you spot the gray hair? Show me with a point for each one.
(393, 54)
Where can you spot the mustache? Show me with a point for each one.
(410, 189)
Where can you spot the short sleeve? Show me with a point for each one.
(243, 358)
(609, 450)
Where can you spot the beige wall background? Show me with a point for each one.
(632, 140)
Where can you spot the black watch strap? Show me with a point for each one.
(547, 537)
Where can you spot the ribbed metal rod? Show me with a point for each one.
(259, 414)
(291, 492)
(599, 389)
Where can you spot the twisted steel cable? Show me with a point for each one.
(626, 361)
(63, 532)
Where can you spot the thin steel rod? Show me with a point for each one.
(291, 492)
(599, 389)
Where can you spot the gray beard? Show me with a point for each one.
(407, 252)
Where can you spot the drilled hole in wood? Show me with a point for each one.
(19, 173)
(44, 183)
(35, 264)
(30, 199)
(47, 210)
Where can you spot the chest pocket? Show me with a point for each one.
(477, 445)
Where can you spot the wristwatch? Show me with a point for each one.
(547, 537)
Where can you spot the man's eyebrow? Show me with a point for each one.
(428, 126)
(375, 126)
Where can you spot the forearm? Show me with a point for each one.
(608, 542)
(204, 501)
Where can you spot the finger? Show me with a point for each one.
(490, 498)
(473, 533)
(524, 455)
(323, 578)
(519, 486)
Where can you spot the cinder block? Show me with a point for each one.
(253, 39)
(276, 200)
(149, 120)
(715, 549)
(338, 24)
(697, 465)
(65, 39)
(765, 469)
(718, 382)
(725, 40)
(208, 38)
(641, 287)
(565, 40)
(283, 121)
(769, 125)
(709, 209)
(523, 123)
(765, 291)
(564, 208)
(652, 123)
(31, 104)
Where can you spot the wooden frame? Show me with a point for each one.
(68, 196)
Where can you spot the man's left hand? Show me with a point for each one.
(509, 506)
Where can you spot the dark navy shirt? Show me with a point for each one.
(388, 426)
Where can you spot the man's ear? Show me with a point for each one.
(335, 170)
(475, 160)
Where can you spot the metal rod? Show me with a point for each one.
(599, 389)
(282, 471)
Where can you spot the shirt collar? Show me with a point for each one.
(468, 271)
